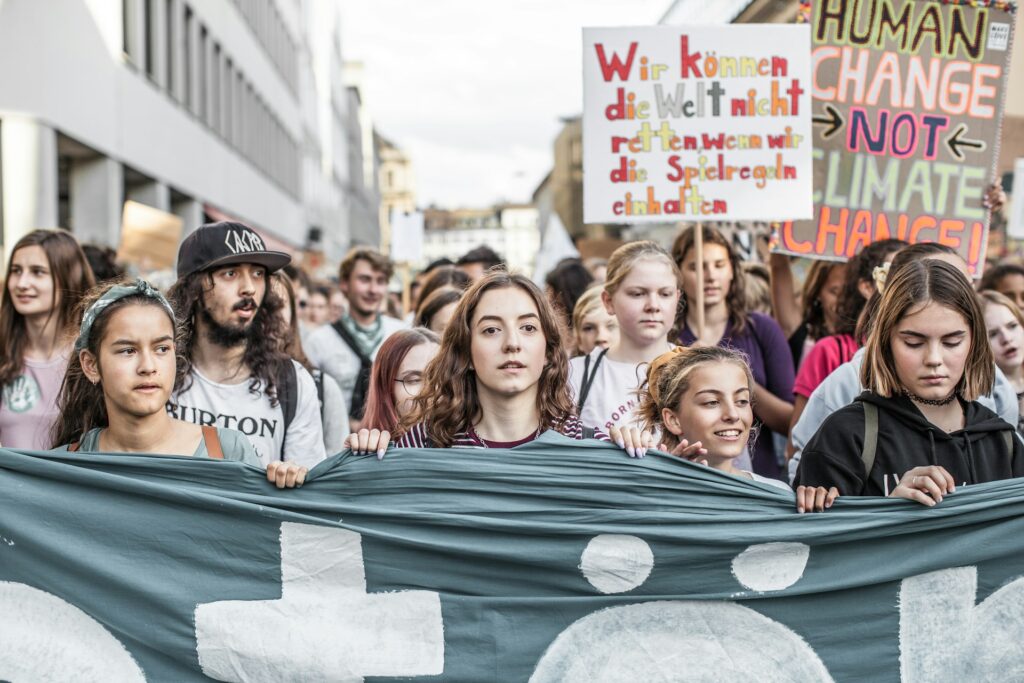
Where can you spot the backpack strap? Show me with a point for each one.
(867, 454)
(588, 379)
(318, 380)
(358, 403)
(212, 442)
(1008, 440)
(287, 397)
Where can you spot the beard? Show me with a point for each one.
(228, 336)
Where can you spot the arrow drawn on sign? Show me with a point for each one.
(834, 120)
(325, 626)
(955, 143)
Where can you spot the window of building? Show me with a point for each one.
(186, 67)
(214, 118)
(170, 45)
(149, 20)
(201, 74)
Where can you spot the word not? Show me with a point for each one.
(899, 138)
(871, 22)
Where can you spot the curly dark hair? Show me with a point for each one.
(992, 276)
(860, 268)
(263, 353)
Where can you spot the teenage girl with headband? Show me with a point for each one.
(123, 370)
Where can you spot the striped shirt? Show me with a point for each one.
(417, 437)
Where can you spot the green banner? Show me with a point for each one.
(555, 561)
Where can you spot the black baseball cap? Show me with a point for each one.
(223, 243)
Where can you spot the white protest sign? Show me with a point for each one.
(406, 236)
(1015, 227)
(696, 123)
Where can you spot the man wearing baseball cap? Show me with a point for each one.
(236, 375)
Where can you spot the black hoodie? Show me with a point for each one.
(906, 439)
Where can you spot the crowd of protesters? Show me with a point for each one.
(890, 375)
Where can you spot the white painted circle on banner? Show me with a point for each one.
(616, 563)
(44, 638)
(771, 566)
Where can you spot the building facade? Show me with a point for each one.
(201, 108)
(397, 186)
(509, 229)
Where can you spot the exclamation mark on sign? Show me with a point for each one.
(974, 249)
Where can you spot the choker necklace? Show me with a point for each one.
(930, 401)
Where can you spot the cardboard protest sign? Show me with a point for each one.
(908, 104)
(699, 122)
(149, 237)
(559, 560)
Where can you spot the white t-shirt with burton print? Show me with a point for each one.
(612, 401)
(233, 406)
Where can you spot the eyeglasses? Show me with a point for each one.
(412, 383)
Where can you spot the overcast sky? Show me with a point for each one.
(473, 90)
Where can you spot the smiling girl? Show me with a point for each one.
(728, 323)
(701, 400)
(46, 276)
(918, 431)
(1005, 325)
(114, 397)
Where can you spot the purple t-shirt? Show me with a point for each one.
(771, 363)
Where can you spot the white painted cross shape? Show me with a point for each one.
(325, 626)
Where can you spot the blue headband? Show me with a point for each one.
(116, 293)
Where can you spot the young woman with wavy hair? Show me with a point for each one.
(46, 277)
(499, 379)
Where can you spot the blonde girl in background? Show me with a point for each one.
(592, 325)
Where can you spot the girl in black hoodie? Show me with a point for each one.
(917, 431)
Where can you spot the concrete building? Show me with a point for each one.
(509, 229)
(397, 183)
(202, 108)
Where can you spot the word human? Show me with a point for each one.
(871, 23)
